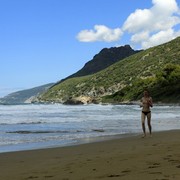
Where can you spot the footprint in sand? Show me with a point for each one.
(123, 173)
(114, 175)
(170, 160)
(126, 171)
(89, 160)
(32, 177)
(174, 161)
(155, 172)
(154, 165)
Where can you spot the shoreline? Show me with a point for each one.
(76, 142)
(17, 137)
(127, 158)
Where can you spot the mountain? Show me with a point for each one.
(24, 96)
(157, 69)
(102, 60)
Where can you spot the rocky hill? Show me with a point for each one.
(24, 96)
(102, 60)
(157, 69)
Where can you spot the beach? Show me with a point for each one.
(128, 158)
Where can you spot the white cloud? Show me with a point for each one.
(153, 26)
(139, 37)
(147, 27)
(165, 7)
(138, 20)
(159, 38)
(100, 33)
(159, 17)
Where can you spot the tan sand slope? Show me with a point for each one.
(131, 158)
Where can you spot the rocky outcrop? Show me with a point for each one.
(72, 102)
(80, 100)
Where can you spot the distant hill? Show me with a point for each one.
(157, 69)
(102, 60)
(24, 96)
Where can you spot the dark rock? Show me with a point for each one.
(73, 102)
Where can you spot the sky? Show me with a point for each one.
(44, 41)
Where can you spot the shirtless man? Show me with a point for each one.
(146, 103)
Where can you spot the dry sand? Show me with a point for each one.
(130, 158)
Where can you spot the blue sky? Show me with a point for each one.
(43, 41)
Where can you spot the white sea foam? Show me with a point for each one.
(37, 126)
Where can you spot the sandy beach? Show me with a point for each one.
(129, 158)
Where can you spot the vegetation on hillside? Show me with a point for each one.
(164, 87)
(156, 68)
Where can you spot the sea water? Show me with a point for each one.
(24, 127)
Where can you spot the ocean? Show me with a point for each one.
(37, 126)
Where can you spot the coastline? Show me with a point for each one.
(75, 142)
(156, 157)
(34, 130)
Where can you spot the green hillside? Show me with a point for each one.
(157, 69)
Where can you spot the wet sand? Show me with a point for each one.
(129, 158)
